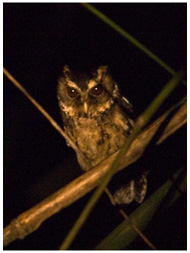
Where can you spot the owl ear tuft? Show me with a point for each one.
(66, 71)
(101, 71)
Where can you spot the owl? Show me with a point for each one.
(98, 119)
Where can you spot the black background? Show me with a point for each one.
(38, 40)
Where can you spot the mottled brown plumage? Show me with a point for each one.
(97, 118)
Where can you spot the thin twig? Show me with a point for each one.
(123, 234)
(130, 221)
(41, 109)
(137, 230)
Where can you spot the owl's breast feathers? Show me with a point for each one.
(99, 120)
(98, 137)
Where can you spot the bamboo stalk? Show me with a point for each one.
(129, 37)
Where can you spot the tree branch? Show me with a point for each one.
(30, 220)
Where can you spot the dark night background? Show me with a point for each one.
(38, 40)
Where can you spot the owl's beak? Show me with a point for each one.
(86, 107)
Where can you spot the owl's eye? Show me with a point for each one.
(97, 90)
(72, 92)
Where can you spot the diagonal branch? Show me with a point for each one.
(41, 109)
(30, 220)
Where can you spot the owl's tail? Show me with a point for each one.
(135, 190)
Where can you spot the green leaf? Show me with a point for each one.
(124, 234)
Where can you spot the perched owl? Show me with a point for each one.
(98, 119)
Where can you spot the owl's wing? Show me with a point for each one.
(127, 107)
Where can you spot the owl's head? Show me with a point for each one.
(81, 94)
